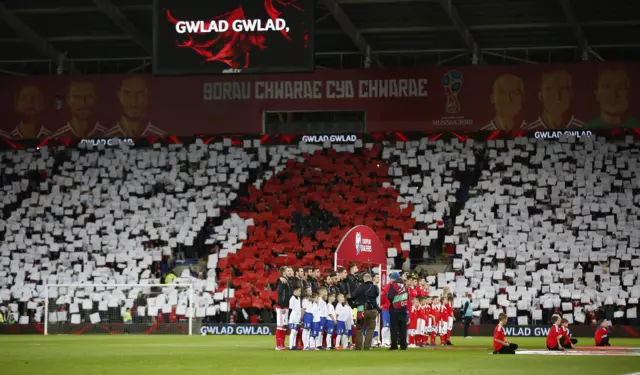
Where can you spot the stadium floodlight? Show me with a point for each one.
(119, 308)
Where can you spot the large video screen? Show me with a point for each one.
(232, 36)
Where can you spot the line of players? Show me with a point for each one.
(325, 321)
(429, 317)
(318, 317)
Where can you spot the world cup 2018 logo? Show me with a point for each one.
(452, 82)
(358, 242)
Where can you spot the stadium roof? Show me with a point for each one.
(109, 36)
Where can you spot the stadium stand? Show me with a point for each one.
(429, 175)
(555, 223)
(404, 191)
(553, 228)
(109, 216)
(22, 172)
(303, 210)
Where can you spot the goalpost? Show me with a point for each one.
(119, 309)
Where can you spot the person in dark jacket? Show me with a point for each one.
(349, 282)
(366, 301)
(329, 284)
(341, 273)
(300, 279)
(398, 298)
(312, 278)
(285, 291)
(352, 279)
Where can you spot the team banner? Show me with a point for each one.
(232, 36)
(139, 328)
(542, 331)
(556, 98)
(238, 140)
(238, 329)
(361, 245)
(269, 329)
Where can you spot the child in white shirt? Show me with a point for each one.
(315, 327)
(332, 320)
(307, 321)
(295, 317)
(323, 312)
(343, 314)
(350, 321)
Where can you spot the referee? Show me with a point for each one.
(398, 298)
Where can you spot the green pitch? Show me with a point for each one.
(203, 355)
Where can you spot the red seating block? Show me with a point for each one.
(357, 198)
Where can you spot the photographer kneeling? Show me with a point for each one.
(365, 297)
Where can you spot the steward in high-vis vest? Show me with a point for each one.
(398, 296)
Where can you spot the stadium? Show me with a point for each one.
(399, 186)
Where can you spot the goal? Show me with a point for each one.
(118, 309)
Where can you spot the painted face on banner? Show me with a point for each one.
(134, 97)
(29, 101)
(556, 93)
(612, 92)
(508, 95)
(81, 100)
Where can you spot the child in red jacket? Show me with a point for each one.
(602, 333)
(567, 341)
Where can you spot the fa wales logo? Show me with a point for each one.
(358, 242)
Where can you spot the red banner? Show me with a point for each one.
(583, 95)
(361, 245)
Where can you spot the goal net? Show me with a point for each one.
(118, 309)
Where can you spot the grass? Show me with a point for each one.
(212, 355)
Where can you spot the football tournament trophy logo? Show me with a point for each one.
(358, 242)
(452, 82)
